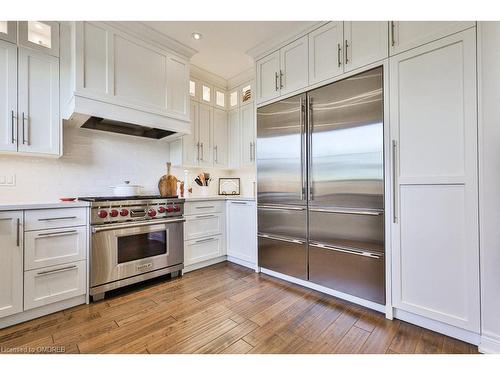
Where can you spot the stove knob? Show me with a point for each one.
(170, 208)
(177, 208)
(124, 212)
(161, 209)
(113, 213)
(152, 212)
(102, 214)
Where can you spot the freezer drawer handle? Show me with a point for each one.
(353, 212)
(286, 208)
(353, 252)
(281, 239)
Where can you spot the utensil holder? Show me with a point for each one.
(204, 191)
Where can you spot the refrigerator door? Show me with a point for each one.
(345, 121)
(281, 168)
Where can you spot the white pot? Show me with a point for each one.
(126, 190)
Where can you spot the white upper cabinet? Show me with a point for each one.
(205, 135)
(435, 229)
(220, 138)
(8, 97)
(234, 138)
(177, 85)
(190, 141)
(8, 31)
(405, 35)
(364, 43)
(38, 103)
(247, 123)
(294, 66)
(268, 75)
(11, 263)
(40, 35)
(325, 52)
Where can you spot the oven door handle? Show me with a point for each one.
(100, 228)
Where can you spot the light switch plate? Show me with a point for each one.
(8, 180)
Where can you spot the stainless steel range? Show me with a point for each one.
(134, 239)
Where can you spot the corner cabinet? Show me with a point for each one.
(242, 232)
(248, 133)
(435, 241)
(11, 263)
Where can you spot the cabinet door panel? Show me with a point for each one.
(294, 66)
(247, 121)
(325, 52)
(96, 77)
(11, 263)
(220, 137)
(242, 231)
(8, 97)
(204, 134)
(202, 226)
(203, 249)
(234, 139)
(268, 76)
(177, 85)
(365, 42)
(42, 36)
(38, 98)
(189, 142)
(410, 34)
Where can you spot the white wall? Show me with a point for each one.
(92, 161)
(489, 181)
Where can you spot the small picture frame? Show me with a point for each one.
(229, 186)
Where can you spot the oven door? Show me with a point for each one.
(124, 250)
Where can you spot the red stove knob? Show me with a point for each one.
(177, 208)
(161, 209)
(124, 212)
(152, 212)
(102, 214)
(113, 213)
(170, 208)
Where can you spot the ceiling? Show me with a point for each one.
(221, 50)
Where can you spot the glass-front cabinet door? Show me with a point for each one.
(40, 35)
(8, 31)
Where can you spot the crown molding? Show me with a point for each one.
(209, 77)
(281, 39)
(241, 78)
(150, 35)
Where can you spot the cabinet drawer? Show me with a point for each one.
(53, 247)
(203, 226)
(54, 284)
(205, 207)
(283, 255)
(200, 250)
(55, 218)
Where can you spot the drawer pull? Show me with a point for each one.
(57, 270)
(285, 208)
(204, 216)
(201, 207)
(233, 202)
(55, 234)
(352, 212)
(205, 240)
(276, 238)
(58, 218)
(347, 251)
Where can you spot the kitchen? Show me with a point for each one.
(306, 187)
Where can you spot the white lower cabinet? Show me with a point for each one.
(203, 225)
(242, 231)
(201, 250)
(53, 284)
(11, 263)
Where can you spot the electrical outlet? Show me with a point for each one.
(8, 180)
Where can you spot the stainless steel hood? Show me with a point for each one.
(99, 123)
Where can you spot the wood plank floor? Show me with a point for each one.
(224, 308)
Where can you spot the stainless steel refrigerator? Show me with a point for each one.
(320, 186)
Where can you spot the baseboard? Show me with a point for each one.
(489, 345)
(203, 264)
(242, 262)
(434, 325)
(41, 311)
(331, 292)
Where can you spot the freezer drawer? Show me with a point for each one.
(283, 221)
(361, 275)
(283, 255)
(359, 229)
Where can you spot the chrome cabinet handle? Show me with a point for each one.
(57, 270)
(216, 154)
(18, 229)
(281, 79)
(233, 202)
(13, 128)
(58, 218)
(202, 151)
(198, 151)
(394, 185)
(26, 136)
(346, 43)
(57, 234)
(205, 240)
(250, 151)
(393, 26)
(360, 252)
(339, 49)
(200, 207)
(277, 238)
(276, 81)
(204, 216)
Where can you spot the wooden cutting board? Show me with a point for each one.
(168, 183)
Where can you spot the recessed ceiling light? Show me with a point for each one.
(196, 36)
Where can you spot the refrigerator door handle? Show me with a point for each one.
(277, 238)
(287, 208)
(353, 212)
(309, 146)
(394, 184)
(359, 252)
(303, 146)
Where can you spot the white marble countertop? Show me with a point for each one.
(198, 198)
(4, 206)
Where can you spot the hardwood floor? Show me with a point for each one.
(224, 308)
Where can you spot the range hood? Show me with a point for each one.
(99, 123)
